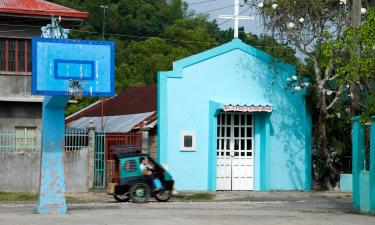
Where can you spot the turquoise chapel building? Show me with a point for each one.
(227, 122)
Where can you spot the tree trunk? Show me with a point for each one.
(326, 170)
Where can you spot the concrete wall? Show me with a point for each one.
(153, 143)
(13, 114)
(15, 85)
(76, 171)
(19, 172)
(346, 182)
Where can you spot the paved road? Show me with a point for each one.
(302, 211)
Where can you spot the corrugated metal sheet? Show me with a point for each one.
(132, 100)
(152, 124)
(123, 123)
(39, 7)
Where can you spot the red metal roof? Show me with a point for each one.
(130, 101)
(39, 7)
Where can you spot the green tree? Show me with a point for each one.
(317, 30)
(366, 61)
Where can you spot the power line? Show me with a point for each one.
(141, 37)
(197, 3)
(174, 40)
(237, 15)
(146, 37)
(224, 7)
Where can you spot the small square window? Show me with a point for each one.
(187, 141)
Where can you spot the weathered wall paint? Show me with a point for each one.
(234, 73)
(19, 171)
(52, 174)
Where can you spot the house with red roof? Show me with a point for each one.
(20, 20)
(133, 110)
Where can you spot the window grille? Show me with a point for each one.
(15, 55)
(26, 138)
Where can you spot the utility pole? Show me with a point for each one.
(236, 17)
(354, 89)
(356, 11)
(102, 115)
(104, 7)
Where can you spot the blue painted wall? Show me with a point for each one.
(190, 96)
(346, 182)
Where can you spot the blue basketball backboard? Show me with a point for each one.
(72, 67)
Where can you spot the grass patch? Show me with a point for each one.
(196, 197)
(15, 196)
(22, 196)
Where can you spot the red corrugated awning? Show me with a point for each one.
(39, 7)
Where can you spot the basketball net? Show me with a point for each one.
(76, 88)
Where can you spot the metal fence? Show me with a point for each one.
(29, 140)
(105, 164)
(99, 160)
(365, 146)
(116, 139)
(76, 140)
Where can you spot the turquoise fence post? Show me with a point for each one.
(357, 161)
(52, 177)
(372, 166)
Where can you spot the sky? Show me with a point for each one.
(253, 26)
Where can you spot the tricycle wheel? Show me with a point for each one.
(140, 193)
(122, 198)
(163, 195)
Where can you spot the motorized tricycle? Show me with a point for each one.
(132, 183)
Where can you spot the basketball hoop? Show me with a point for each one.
(62, 70)
(76, 88)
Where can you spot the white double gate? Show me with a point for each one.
(235, 151)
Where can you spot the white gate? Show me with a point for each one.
(234, 151)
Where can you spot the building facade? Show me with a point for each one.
(20, 21)
(227, 122)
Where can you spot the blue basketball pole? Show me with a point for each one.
(60, 68)
(52, 177)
